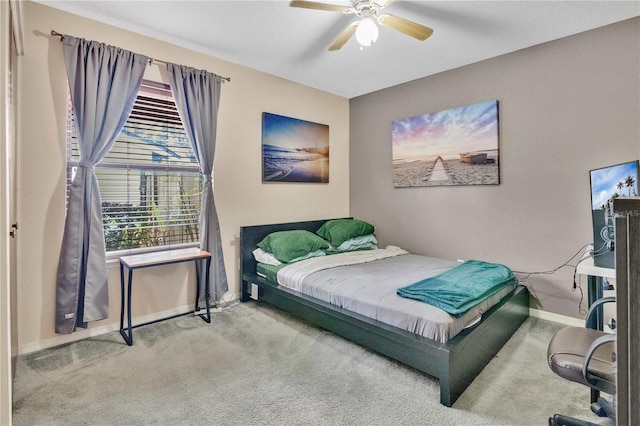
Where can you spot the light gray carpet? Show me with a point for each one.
(255, 365)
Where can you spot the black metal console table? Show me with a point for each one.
(148, 260)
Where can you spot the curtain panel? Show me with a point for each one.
(104, 82)
(197, 97)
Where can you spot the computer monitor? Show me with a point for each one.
(608, 183)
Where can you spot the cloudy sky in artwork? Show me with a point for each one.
(447, 133)
(293, 133)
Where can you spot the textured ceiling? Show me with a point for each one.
(292, 43)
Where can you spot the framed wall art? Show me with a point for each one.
(294, 150)
(458, 146)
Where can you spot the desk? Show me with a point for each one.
(148, 260)
(595, 275)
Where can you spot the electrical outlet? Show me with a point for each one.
(254, 291)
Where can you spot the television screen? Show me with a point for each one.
(608, 183)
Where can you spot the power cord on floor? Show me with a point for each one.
(221, 305)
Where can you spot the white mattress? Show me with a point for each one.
(369, 289)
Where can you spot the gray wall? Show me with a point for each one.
(566, 107)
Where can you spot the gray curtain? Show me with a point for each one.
(197, 96)
(104, 81)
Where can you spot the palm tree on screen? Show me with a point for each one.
(629, 184)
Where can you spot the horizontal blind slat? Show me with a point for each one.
(150, 182)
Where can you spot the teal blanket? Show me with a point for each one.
(459, 289)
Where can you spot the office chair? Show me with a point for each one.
(586, 356)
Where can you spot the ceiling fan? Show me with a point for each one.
(365, 29)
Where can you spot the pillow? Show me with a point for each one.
(263, 257)
(338, 231)
(316, 253)
(289, 245)
(366, 242)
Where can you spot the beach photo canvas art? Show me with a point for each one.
(458, 146)
(294, 150)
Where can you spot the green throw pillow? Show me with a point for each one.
(289, 245)
(338, 231)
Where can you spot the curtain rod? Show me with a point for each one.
(158, 61)
(152, 60)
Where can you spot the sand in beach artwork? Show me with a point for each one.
(458, 146)
(294, 150)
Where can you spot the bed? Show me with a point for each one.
(455, 363)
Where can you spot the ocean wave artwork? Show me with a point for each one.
(294, 150)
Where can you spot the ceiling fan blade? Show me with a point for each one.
(405, 26)
(344, 37)
(319, 6)
(383, 3)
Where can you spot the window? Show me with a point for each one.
(150, 182)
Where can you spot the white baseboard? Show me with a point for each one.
(97, 331)
(104, 329)
(550, 316)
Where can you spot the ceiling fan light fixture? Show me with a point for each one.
(367, 32)
(366, 28)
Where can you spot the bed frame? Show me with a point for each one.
(455, 363)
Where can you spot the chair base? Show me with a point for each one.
(560, 420)
(603, 408)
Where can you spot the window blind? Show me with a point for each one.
(150, 182)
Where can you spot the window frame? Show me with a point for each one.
(73, 163)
